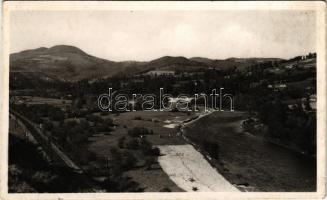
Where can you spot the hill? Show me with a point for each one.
(69, 63)
(239, 63)
(64, 62)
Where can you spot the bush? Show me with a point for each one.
(108, 121)
(121, 142)
(132, 144)
(48, 126)
(137, 118)
(146, 147)
(155, 151)
(104, 113)
(57, 115)
(138, 131)
(149, 162)
(116, 162)
(129, 161)
(94, 118)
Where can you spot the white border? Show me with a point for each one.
(317, 6)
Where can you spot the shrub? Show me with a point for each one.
(48, 126)
(129, 161)
(108, 121)
(57, 115)
(146, 147)
(137, 131)
(121, 142)
(137, 118)
(132, 144)
(94, 118)
(116, 162)
(104, 113)
(149, 162)
(155, 151)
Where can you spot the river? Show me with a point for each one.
(250, 162)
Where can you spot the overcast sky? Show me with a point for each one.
(146, 35)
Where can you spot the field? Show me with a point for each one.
(154, 179)
(166, 134)
(42, 100)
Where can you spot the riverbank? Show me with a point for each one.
(188, 167)
(248, 162)
(189, 170)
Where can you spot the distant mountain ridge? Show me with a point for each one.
(70, 63)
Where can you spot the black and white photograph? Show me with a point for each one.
(167, 98)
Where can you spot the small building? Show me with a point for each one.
(160, 73)
(138, 80)
(289, 66)
(280, 86)
(255, 84)
(313, 101)
(277, 87)
(123, 84)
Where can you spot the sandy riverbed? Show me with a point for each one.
(191, 171)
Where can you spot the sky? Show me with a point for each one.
(147, 35)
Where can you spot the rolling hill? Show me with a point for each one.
(64, 62)
(69, 63)
(239, 63)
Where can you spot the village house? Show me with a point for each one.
(313, 101)
(138, 80)
(123, 84)
(256, 84)
(160, 73)
(277, 87)
(289, 66)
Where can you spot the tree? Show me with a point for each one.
(121, 142)
(146, 147)
(138, 131)
(132, 144)
(115, 161)
(129, 161)
(48, 126)
(149, 162)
